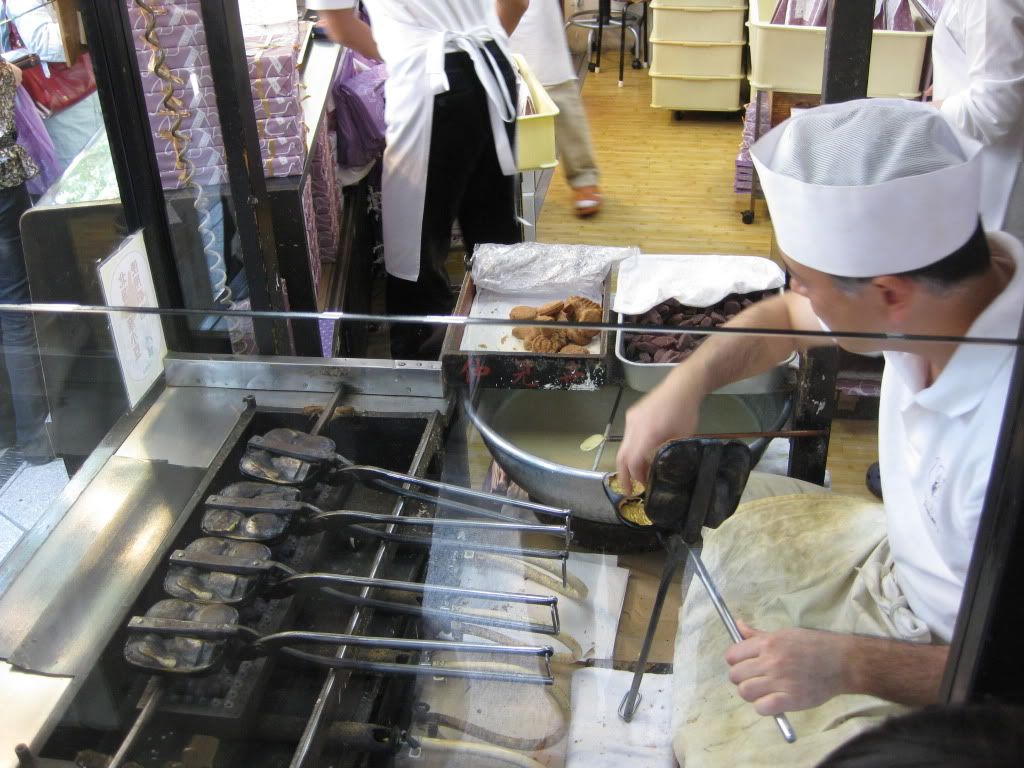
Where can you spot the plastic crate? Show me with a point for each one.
(698, 24)
(705, 94)
(784, 58)
(535, 134)
(698, 3)
(697, 59)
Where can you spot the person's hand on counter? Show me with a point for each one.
(796, 668)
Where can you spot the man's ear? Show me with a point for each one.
(897, 295)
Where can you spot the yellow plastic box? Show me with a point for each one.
(697, 59)
(535, 134)
(706, 94)
(784, 58)
(699, 3)
(698, 23)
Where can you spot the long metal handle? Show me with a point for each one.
(730, 624)
(456, 490)
(345, 515)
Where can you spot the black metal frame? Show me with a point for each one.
(223, 26)
(845, 77)
(984, 657)
(119, 86)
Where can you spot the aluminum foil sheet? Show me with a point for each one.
(544, 268)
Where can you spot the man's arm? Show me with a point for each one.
(671, 410)
(802, 668)
(510, 12)
(345, 27)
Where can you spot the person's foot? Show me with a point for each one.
(37, 450)
(588, 201)
(873, 479)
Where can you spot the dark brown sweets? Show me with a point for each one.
(676, 347)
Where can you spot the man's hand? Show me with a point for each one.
(789, 670)
(803, 668)
(670, 411)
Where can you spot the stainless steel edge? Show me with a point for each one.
(409, 378)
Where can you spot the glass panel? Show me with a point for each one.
(477, 575)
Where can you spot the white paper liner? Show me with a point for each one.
(646, 280)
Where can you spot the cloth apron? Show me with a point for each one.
(414, 55)
(1000, 163)
(813, 560)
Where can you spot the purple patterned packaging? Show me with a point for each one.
(165, 15)
(204, 176)
(281, 127)
(188, 58)
(187, 99)
(205, 119)
(274, 167)
(185, 36)
(197, 139)
(201, 157)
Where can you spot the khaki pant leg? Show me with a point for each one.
(572, 136)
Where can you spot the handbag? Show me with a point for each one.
(55, 86)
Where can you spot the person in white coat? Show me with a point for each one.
(875, 205)
(450, 113)
(540, 39)
(978, 55)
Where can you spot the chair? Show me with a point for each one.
(640, 36)
(597, 20)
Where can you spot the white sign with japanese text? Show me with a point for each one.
(138, 339)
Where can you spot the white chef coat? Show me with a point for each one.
(413, 37)
(978, 55)
(540, 39)
(935, 448)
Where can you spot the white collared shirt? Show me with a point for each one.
(936, 445)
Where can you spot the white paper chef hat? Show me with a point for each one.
(869, 187)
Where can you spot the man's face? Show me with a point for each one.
(862, 310)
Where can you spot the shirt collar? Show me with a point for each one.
(962, 384)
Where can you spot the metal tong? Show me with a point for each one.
(294, 513)
(181, 638)
(250, 511)
(252, 563)
(706, 479)
(301, 452)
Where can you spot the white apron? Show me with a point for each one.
(1000, 162)
(413, 42)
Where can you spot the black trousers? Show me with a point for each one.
(464, 182)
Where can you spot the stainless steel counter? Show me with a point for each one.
(118, 516)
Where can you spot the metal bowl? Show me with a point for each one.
(571, 416)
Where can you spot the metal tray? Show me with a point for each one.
(523, 370)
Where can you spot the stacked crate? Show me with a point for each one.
(697, 63)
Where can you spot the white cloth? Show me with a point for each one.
(805, 561)
(413, 37)
(978, 55)
(38, 27)
(540, 39)
(599, 738)
(869, 187)
(936, 445)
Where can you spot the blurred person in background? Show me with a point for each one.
(978, 56)
(540, 39)
(70, 127)
(22, 397)
(450, 112)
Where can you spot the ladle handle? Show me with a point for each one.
(734, 631)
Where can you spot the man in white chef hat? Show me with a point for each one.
(875, 208)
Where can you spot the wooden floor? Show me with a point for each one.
(668, 188)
